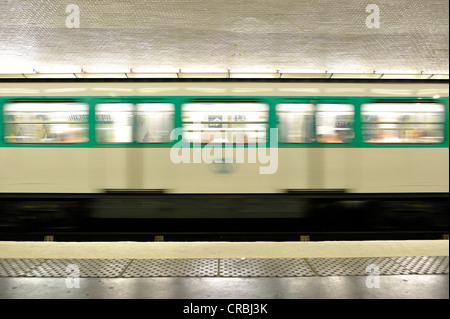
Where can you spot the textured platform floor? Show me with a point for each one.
(241, 268)
(261, 270)
(222, 250)
(338, 278)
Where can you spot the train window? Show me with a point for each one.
(296, 122)
(46, 123)
(403, 123)
(225, 123)
(154, 122)
(334, 123)
(114, 123)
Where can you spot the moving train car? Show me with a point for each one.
(333, 152)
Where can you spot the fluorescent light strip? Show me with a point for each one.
(305, 75)
(50, 76)
(217, 75)
(440, 77)
(406, 76)
(356, 76)
(100, 75)
(152, 75)
(212, 75)
(12, 76)
(255, 75)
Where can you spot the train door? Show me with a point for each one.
(330, 156)
(150, 166)
(133, 139)
(295, 122)
(114, 137)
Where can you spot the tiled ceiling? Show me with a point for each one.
(220, 35)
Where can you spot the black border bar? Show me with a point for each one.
(219, 80)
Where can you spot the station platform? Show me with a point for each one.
(224, 270)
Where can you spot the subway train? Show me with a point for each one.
(361, 153)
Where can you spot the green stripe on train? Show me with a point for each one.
(178, 101)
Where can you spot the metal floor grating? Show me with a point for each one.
(89, 268)
(18, 267)
(134, 268)
(265, 268)
(356, 266)
(172, 268)
(425, 265)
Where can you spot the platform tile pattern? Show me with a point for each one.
(356, 266)
(172, 268)
(265, 268)
(425, 265)
(227, 268)
(18, 267)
